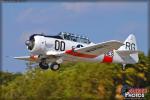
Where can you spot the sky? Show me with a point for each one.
(100, 21)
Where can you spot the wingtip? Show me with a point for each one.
(117, 41)
(16, 57)
(21, 57)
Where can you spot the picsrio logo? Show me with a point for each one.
(130, 92)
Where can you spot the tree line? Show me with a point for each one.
(75, 81)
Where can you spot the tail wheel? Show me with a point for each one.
(55, 66)
(123, 67)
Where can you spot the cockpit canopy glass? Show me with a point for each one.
(65, 36)
(73, 37)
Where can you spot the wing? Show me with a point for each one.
(95, 50)
(51, 56)
(28, 58)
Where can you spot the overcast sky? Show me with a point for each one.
(100, 21)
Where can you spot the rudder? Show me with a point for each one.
(130, 45)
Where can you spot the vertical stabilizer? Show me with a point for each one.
(130, 45)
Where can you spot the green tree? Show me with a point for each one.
(77, 81)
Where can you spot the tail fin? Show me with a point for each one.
(130, 46)
(130, 43)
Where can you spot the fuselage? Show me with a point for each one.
(51, 51)
(44, 44)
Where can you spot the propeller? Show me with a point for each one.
(29, 44)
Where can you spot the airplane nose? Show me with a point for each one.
(30, 42)
(27, 43)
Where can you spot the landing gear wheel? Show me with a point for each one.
(43, 64)
(123, 67)
(55, 66)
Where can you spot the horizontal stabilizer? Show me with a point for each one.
(126, 52)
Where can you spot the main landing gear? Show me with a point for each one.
(44, 65)
(55, 66)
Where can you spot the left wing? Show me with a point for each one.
(96, 49)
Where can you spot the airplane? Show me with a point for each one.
(51, 51)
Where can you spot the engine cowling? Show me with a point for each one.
(30, 43)
(36, 44)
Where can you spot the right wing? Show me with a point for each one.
(28, 58)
